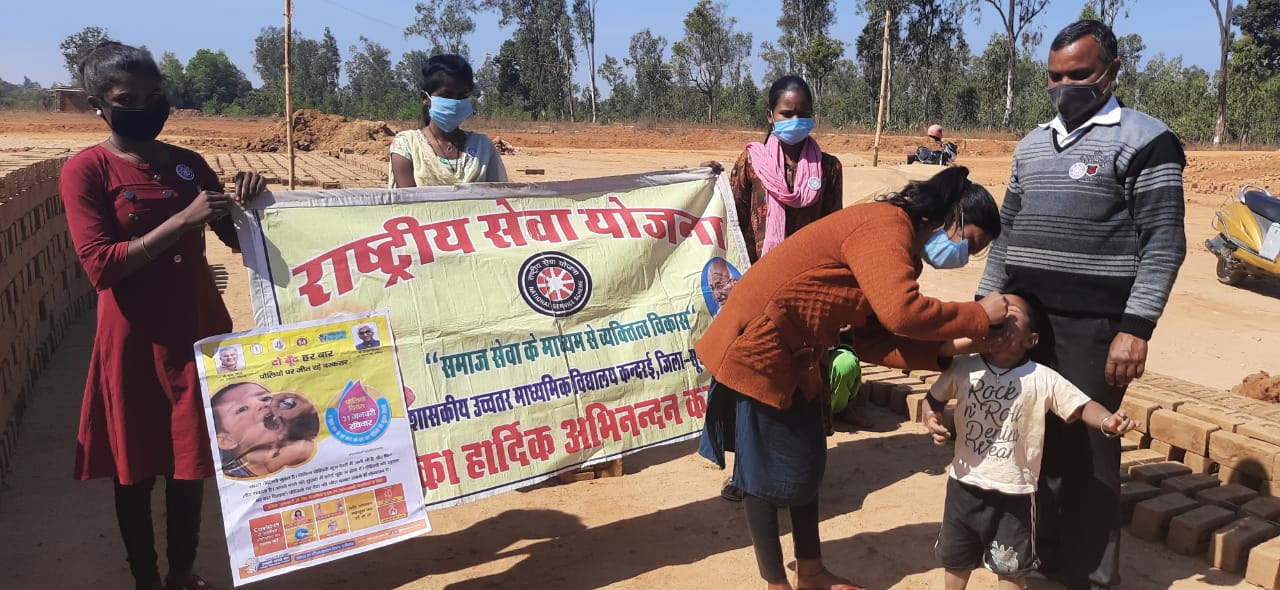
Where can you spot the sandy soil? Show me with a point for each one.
(662, 525)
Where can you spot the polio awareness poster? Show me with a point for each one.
(541, 327)
(309, 428)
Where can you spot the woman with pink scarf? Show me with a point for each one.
(786, 182)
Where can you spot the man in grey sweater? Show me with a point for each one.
(1093, 236)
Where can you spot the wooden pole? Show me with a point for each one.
(884, 79)
(288, 84)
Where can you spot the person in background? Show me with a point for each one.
(1093, 229)
(137, 209)
(783, 184)
(441, 152)
(787, 182)
(769, 401)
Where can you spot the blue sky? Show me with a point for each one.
(31, 30)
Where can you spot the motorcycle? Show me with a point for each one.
(1248, 240)
(940, 157)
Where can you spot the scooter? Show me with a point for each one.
(1248, 240)
(941, 157)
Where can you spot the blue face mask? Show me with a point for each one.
(942, 253)
(792, 131)
(449, 113)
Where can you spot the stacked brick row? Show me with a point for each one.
(1202, 475)
(43, 290)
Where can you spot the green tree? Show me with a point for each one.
(1260, 20)
(1105, 11)
(543, 44)
(934, 28)
(446, 24)
(75, 47)
(1131, 48)
(316, 67)
(1017, 17)
(869, 48)
(175, 81)
(710, 50)
(804, 45)
(1224, 49)
(584, 15)
(372, 91)
(646, 56)
(214, 82)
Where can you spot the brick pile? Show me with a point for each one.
(1202, 475)
(43, 290)
(326, 170)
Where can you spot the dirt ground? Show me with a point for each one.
(662, 525)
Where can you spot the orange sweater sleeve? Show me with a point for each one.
(879, 252)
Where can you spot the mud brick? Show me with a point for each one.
(916, 405)
(877, 392)
(611, 468)
(1127, 445)
(1264, 431)
(923, 376)
(584, 474)
(1139, 457)
(1189, 532)
(1199, 463)
(1242, 453)
(1264, 565)
(899, 397)
(1140, 409)
(1225, 419)
(1141, 438)
(1138, 437)
(1151, 517)
(1167, 450)
(1181, 431)
(1229, 546)
(1168, 400)
(1190, 484)
(1264, 507)
(1154, 473)
(1132, 492)
(1230, 496)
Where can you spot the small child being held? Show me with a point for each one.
(1002, 398)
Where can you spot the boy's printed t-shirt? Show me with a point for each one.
(1000, 420)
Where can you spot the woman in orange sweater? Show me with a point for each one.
(858, 267)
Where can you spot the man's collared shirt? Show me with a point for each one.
(1109, 114)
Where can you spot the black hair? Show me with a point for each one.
(111, 61)
(441, 68)
(1101, 33)
(788, 84)
(936, 199)
(1037, 319)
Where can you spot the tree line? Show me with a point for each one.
(935, 76)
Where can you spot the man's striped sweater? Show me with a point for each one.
(1095, 228)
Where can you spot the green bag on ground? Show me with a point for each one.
(845, 378)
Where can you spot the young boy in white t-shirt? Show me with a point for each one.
(1002, 400)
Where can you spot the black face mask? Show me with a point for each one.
(1075, 102)
(139, 124)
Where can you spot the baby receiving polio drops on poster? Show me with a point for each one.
(259, 432)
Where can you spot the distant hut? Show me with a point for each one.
(69, 99)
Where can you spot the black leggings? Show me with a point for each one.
(183, 502)
(762, 521)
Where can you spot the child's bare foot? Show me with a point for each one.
(812, 575)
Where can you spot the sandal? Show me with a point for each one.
(731, 492)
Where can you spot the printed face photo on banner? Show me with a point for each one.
(718, 278)
(260, 433)
(366, 337)
(231, 359)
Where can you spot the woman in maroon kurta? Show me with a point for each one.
(136, 209)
